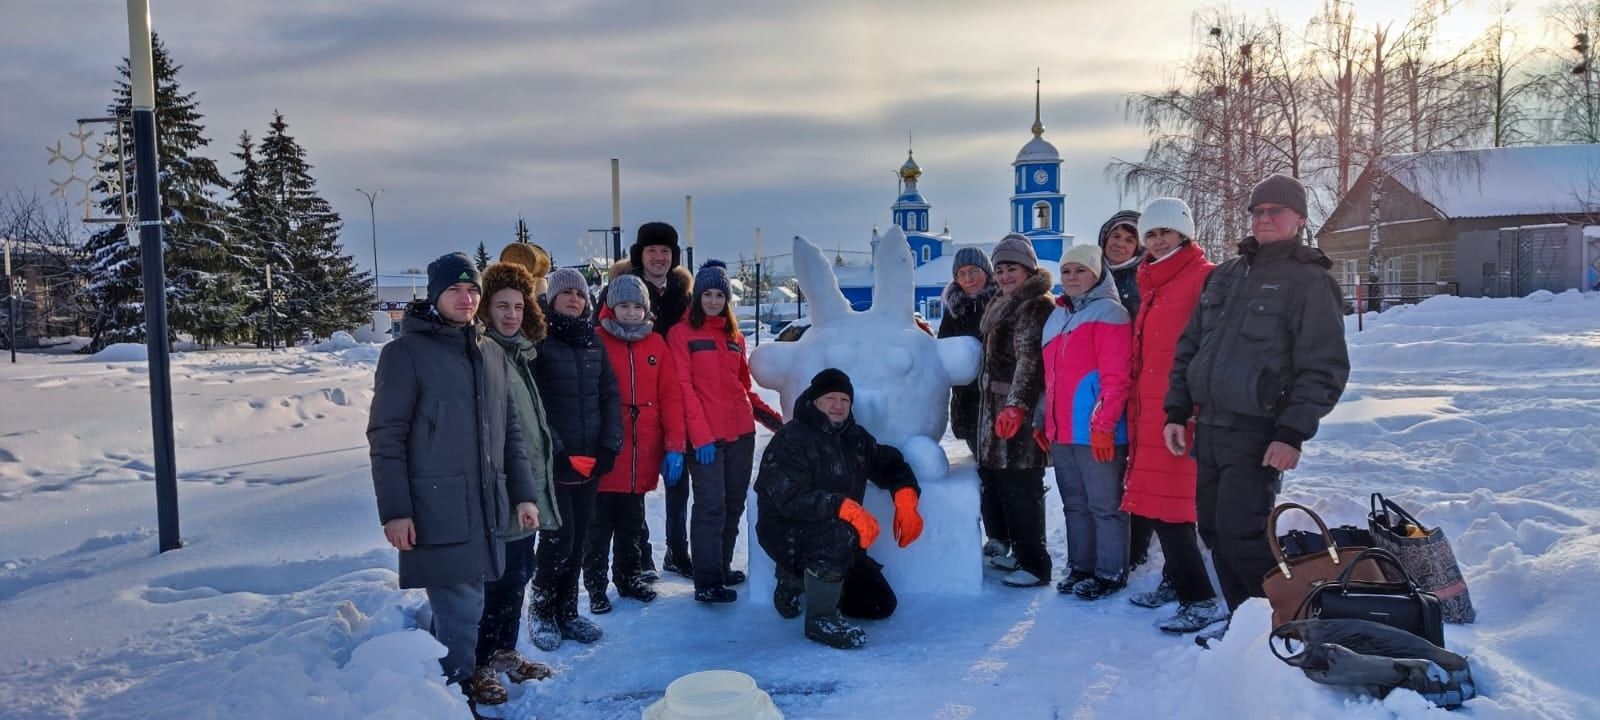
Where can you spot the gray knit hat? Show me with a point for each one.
(974, 257)
(565, 279)
(1282, 190)
(1015, 248)
(625, 289)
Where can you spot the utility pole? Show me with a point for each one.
(11, 299)
(372, 213)
(616, 210)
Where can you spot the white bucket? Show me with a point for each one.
(714, 695)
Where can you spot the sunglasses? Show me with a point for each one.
(1271, 212)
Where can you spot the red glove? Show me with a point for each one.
(1103, 445)
(582, 463)
(865, 524)
(907, 521)
(1042, 440)
(1008, 423)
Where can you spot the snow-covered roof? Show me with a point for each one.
(1494, 182)
(1038, 150)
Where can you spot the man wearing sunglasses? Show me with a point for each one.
(1261, 361)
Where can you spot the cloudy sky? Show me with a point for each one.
(786, 116)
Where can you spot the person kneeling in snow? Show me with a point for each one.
(813, 476)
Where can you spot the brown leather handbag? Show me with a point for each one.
(1288, 583)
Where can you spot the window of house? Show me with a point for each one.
(1352, 272)
(1391, 270)
(927, 253)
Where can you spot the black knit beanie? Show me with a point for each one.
(830, 380)
(448, 270)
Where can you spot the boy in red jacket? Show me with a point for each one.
(652, 443)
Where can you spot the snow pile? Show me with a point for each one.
(376, 331)
(340, 340)
(122, 352)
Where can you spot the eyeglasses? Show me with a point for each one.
(1271, 212)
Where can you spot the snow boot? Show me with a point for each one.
(599, 604)
(786, 596)
(1209, 637)
(579, 628)
(731, 576)
(678, 562)
(995, 548)
(1097, 588)
(824, 624)
(484, 687)
(1194, 617)
(517, 668)
(637, 588)
(544, 632)
(715, 594)
(1163, 594)
(1073, 578)
(1004, 562)
(1021, 579)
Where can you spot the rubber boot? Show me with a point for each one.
(824, 624)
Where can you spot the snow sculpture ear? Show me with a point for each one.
(770, 366)
(815, 276)
(893, 270)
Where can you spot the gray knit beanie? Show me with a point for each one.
(1282, 190)
(565, 279)
(625, 289)
(1015, 248)
(974, 257)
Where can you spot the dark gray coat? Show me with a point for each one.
(446, 448)
(1265, 343)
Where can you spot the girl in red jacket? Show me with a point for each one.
(652, 443)
(720, 410)
(1160, 485)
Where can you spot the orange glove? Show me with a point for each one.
(907, 521)
(1042, 440)
(1008, 423)
(865, 524)
(582, 463)
(1103, 445)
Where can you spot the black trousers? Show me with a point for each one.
(678, 513)
(989, 505)
(559, 558)
(1185, 567)
(1021, 496)
(1233, 496)
(1140, 531)
(617, 519)
(502, 601)
(719, 494)
(831, 550)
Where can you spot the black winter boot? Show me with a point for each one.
(677, 561)
(824, 624)
(543, 631)
(716, 594)
(786, 596)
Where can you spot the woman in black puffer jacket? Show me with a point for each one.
(965, 299)
(583, 407)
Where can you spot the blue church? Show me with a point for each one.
(1037, 211)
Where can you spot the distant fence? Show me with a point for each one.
(1372, 298)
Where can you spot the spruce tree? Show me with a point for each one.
(482, 258)
(251, 224)
(324, 292)
(197, 245)
(523, 236)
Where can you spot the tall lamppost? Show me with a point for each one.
(372, 212)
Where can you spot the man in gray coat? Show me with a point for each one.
(447, 456)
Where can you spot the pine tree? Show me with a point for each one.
(523, 235)
(324, 292)
(252, 213)
(197, 245)
(482, 257)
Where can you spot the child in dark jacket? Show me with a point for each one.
(652, 442)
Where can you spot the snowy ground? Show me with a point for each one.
(1483, 414)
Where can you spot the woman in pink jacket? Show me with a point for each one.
(1088, 342)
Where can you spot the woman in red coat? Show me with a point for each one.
(1160, 485)
(720, 410)
(652, 443)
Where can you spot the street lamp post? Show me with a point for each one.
(11, 299)
(758, 287)
(372, 212)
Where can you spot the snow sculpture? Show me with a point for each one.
(902, 378)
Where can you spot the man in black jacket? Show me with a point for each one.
(655, 258)
(447, 457)
(1264, 359)
(813, 477)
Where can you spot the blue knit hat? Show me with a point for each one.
(712, 276)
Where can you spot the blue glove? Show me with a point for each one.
(706, 454)
(672, 468)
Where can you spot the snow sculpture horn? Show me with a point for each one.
(901, 374)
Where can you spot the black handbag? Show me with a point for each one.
(1403, 604)
(1299, 543)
